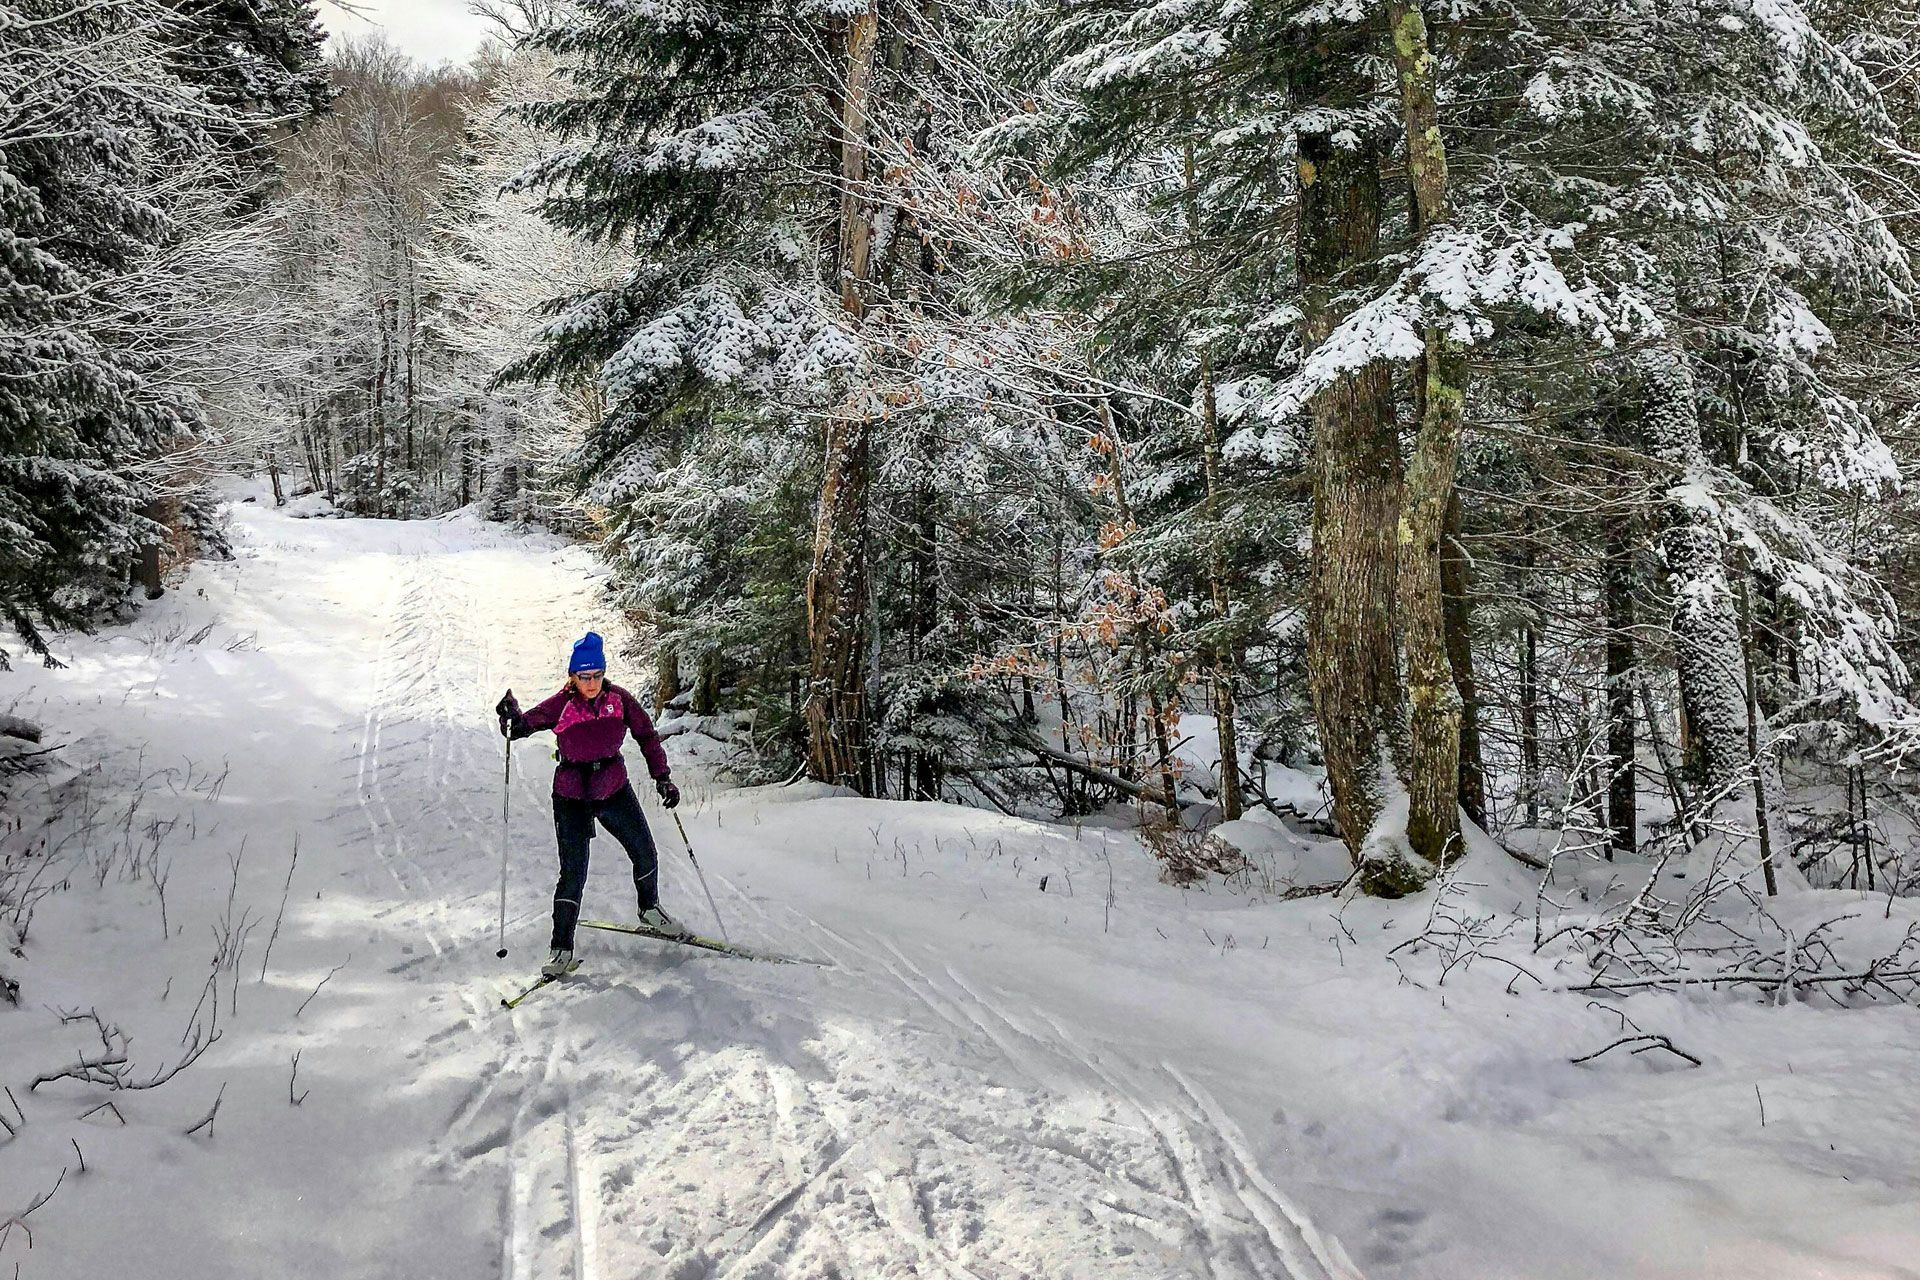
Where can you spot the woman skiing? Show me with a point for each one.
(590, 717)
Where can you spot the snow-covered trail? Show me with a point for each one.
(666, 1112)
(701, 1116)
(1024, 1057)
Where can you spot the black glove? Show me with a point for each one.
(669, 794)
(508, 709)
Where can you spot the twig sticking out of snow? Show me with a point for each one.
(285, 890)
(20, 1219)
(1646, 1041)
(105, 1106)
(323, 982)
(206, 1121)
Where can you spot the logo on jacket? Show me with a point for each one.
(579, 711)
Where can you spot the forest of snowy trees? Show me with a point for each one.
(1500, 407)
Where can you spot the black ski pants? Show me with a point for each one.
(573, 822)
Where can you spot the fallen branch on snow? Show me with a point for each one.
(1771, 981)
(112, 1066)
(1646, 1041)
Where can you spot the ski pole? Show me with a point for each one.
(703, 878)
(506, 803)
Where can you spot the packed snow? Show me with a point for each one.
(1019, 1054)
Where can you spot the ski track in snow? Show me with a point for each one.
(673, 1114)
(884, 1150)
(983, 1083)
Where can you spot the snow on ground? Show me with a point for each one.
(1024, 1057)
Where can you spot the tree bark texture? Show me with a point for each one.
(1352, 663)
(1706, 634)
(836, 711)
(836, 610)
(1433, 700)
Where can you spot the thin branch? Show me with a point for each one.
(206, 1122)
(323, 982)
(1646, 1041)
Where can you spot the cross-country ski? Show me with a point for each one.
(512, 999)
(962, 640)
(696, 940)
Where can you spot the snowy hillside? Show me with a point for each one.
(274, 855)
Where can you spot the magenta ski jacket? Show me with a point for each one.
(590, 734)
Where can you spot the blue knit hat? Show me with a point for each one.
(588, 655)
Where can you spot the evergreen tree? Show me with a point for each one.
(763, 167)
(257, 61)
(103, 146)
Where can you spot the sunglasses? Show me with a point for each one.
(589, 675)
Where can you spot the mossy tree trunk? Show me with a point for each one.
(1433, 699)
(1353, 667)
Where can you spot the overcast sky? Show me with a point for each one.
(431, 30)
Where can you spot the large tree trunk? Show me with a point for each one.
(836, 610)
(1706, 635)
(836, 712)
(1353, 666)
(1433, 699)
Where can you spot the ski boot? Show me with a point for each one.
(559, 964)
(658, 921)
